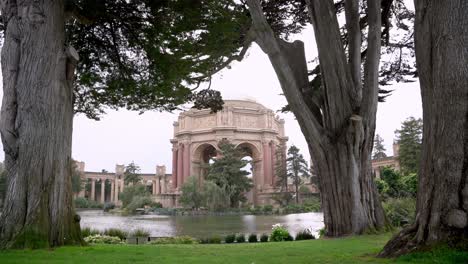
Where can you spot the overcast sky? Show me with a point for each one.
(122, 136)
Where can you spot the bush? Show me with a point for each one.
(174, 240)
(268, 208)
(322, 232)
(279, 233)
(102, 239)
(253, 238)
(211, 240)
(264, 238)
(289, 238)
(108, 206)
(312, 205)
(230, 239)
(304, 235)
(82, 202)
(240, 238)
(85, 232)
(139, 202)
(115, 232)
(130, 192)
(140, 233)
(400, 211)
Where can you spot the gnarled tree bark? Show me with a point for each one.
(441, 38)
(36, 126)
(338, 121)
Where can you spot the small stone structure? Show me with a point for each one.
(391, 161)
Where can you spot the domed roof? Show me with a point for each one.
(244, 103)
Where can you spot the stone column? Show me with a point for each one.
(180, 165)
(273, 163)
(116, 191)
(174, 167)
(153, 187)
(266, 163)
(103, 190)
(187, 161)
(163, 184)
(93, 189)
(158, 185)
(112, 191)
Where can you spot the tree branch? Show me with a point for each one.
(354, 48)
(288, 60)
(371, 66)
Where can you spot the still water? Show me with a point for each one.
(201, 226)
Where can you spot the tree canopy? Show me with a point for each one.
(409, 137)
(227, 172)
(379, 148)
(132, 174)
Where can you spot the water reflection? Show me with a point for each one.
(201, 226)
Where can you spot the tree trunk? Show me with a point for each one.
(36, 127)
(441, 34)
(297, 189)
(338, 122)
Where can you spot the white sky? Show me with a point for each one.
(123, 136)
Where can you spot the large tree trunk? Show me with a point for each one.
(337, 120)
(441, 34)
(36, 127)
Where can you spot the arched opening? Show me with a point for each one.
(202, 157)
(251, 154)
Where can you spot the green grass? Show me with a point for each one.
(360, 249)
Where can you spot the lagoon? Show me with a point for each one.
(201, 226)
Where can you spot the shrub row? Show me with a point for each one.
(82, 202)
(114, 232)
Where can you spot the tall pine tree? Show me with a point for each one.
(409, 137)
(379, 148)
(227, 173)
(298, 170)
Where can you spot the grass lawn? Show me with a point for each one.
(360, 249)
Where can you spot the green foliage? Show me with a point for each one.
(297, 168)
(312, 204)
(289, 238)
(77, 184)
(253, 238)
(394, 185)
(283, 198)
(230, 238)
(304, 235)
(264, 238)
(81, 202)
(87, 231)
(192, 194)
(216, 199)
(279, 233)
(400, 211)
(108, 206)
(102, 239)
(304, 189)
(139, 202)
(114, 232)
(392, 178)
(409, 184)
(240, 238)
(174, 240)
(268, 208)
(322, 232)
(132, 174)
(379, 148)
(140, 233)
(176, 44)
(130, 192)
(226, 172)
(211, 240)
(409, 137)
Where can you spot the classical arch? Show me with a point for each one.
(247, 124)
